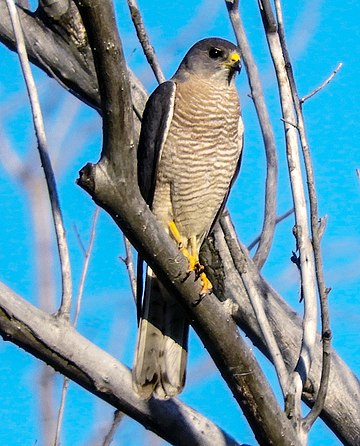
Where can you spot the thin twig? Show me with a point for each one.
(320, 87)
(145, 41)
(129, 262)
(87, 256)
(118, 416)
(316, 233)
(267, 232)
(288, 122)
(245, 270)
(63, 251)
(60, 416)
(86, 265)
(278, 220)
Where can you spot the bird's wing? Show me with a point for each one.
(154, 130)
(155, 126)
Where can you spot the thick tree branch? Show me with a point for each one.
(58, 344)
(51, 48)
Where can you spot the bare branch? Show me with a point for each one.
(287, 327)
(257, 95)
(77, 74)
(118, 417)
(243, 266)
(87, 256)
(278, 220)
(320, 87)
(322, 225)
(304, 246)
(86, 265)
(64, 310)
(144, 40)
(61, 411)
(129, 262)
(315, 232)
(57, 343)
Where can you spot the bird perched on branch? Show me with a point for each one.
(188, 157)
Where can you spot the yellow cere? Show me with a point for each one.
(234, 57)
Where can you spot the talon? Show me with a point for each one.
(206, 285)
(199, 269)
(193, 258)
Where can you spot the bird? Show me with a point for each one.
(189, 154)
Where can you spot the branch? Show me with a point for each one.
(257, 95)
(55, 342)
(278, 220)
(342, 399)
(63, 251)
(77, 72)
(320, 87)
(118, 417)
(315, 232)
(301, 230)
(145, 41)
(253, 292)
(87, 256)
(130, 267)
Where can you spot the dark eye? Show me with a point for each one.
(215, 53)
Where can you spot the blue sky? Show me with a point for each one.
(320, 35)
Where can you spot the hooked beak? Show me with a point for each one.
(233, 65)
(234, 62)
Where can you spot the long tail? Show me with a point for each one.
(161, 350)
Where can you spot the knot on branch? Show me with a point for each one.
(86, 178)
(327, 335)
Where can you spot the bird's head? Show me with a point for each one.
(211, 58)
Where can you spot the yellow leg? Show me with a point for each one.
(177, 237)
(193, 258)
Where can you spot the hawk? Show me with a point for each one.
(188, 157)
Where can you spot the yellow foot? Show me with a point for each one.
(193, 258)
(206, 285)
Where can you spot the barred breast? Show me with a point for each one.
(199, 157)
